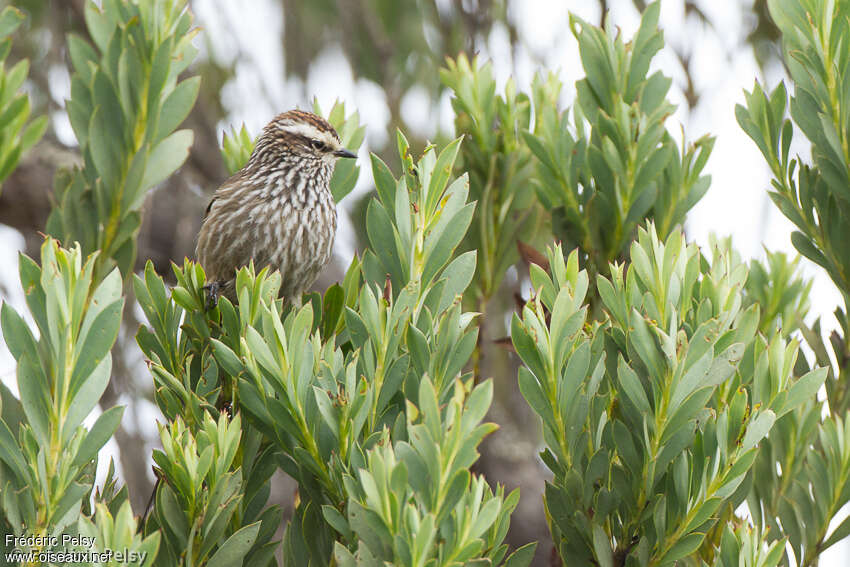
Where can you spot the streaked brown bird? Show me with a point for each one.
(277, 211)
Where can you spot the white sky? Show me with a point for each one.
(736, 204)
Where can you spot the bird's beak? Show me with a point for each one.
(345, 153)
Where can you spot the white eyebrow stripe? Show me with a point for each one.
(309, 131)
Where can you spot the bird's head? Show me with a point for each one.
(302, 136)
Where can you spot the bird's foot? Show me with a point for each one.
(213, 290)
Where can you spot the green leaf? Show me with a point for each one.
(602, 547)
(345, 558)
(177, 106)
(11, 410)
(642, 339)
(10, 19)
(429, 407)
(417, 344)
(68, 508)
(327, 411)
(337, 521)
(10, 452)
(623, 440)
(101, 432)
(16, 333)
(344, 177)
(226, 357)
(458, 275)
(332, 306)
(88, 394)
(166, 157)
(804, 389)
(232, 552)
(838, 534)
(33, 132)
(447, 242)
(614, 301)
(574, 375)
(533, 393)
(385, 183)
(15, 77)
(632, 387)
(757, 429)
(10, 162)
(683, 548)
(99, 24)
(424, 537)
(33, 386)
(703, 513)
(687, 411)
(370, 528)
(382, 236)
(440, 175)
(94, 346)
(81, 55)
(171, 516)
(522, 557)
(159, 72)
(805, 246)
(104, 149)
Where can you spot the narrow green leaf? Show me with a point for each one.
(533, 393)
(101, 432)
(32, 385)
(33, 132)
(804, 389)
(10, 19)
(96, 343)
(838, 534)
(166, 157)
(87, 395)
(805, 247)
(327, 410)
(688, 410)
(226, 357)
(232, 552)
(332, 305)
(441, 174)
(16, 333)
(177, 106)
(10, 453)
(385, 183)
(458, 275)
(105, 150)
(442, 251)
(16, 76)
(683, 548)
(632, 387)
(602, 547)
(703, 513)
(644, 342)
(99, 24)
(757, 429)
(522, 557)
(336, 520)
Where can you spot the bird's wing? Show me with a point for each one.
(227, 187)
(207, 212)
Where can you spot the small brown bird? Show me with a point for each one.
(277, 211)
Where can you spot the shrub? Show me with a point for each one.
(668, 385)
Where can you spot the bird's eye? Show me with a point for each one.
(318, 145)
